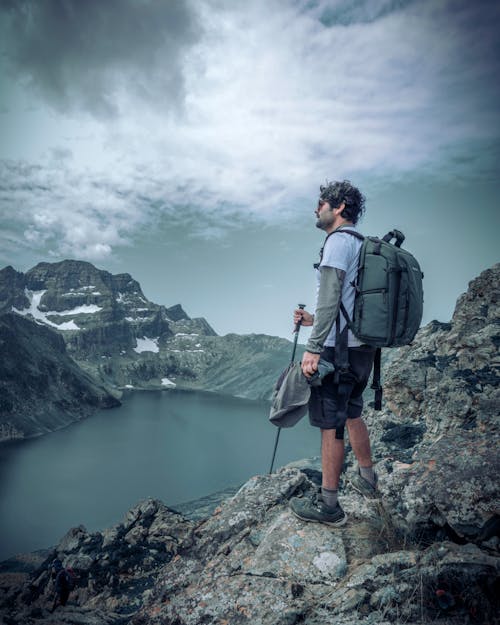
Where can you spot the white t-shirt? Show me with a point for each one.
(341, 251)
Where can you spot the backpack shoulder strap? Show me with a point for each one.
(354, 233)
(346, 316)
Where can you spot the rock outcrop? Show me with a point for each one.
(41, 388)
(252, 561)
(446, 387)
(426, 552)
(115, 569)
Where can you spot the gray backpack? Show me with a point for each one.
(388, 303)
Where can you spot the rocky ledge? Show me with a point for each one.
(426, 552)
(252, 561)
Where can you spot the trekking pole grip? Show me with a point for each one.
(296, 333)
(299, 322)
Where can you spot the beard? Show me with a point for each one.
(324, 221)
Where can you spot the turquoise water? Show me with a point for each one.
(175, 446)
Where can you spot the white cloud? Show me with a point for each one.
(276, 101)
(276, 97)
(71, 213)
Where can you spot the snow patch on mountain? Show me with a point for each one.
(146, 344)
(40, 316)
(167, 382)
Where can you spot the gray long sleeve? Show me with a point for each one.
(327, 308)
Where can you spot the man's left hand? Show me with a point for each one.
(309, 363)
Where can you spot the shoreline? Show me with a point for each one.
(127, 392)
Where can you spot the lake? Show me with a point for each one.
(175, 446)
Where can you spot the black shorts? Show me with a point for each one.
(331, 404)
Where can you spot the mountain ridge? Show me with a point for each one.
(124, 341)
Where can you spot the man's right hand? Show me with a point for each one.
(305, 318)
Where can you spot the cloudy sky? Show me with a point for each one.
(184, 142)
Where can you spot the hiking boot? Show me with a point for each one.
(316, 511)
(364, 487)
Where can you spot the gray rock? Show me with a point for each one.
(449, 489)
(252, 561)
(286, 549)
(450, 481)
(114, 569)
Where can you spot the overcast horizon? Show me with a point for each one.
(185, 142)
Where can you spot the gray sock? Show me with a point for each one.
(368, 474)
(329, 497)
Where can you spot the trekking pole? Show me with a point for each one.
(296, 337)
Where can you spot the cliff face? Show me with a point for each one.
(428, 551)
(41, 387)
(447, 384)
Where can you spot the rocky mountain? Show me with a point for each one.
(426, 552)
(124, 341)
(97, 313)
(41, 387)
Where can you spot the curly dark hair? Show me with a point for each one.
(337, 192)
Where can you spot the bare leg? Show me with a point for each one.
(360, 441)
(332, 459)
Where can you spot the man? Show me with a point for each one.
(338, 401)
